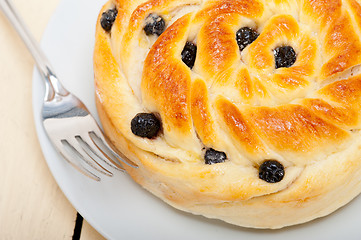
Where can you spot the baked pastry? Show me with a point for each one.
(243, 110)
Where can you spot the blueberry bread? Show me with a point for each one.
(246, 111)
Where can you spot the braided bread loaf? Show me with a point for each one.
(242, 110)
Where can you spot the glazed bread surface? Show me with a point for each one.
(239, 102)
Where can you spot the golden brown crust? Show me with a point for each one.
(201, 112)
(306, 116)
(168, 88)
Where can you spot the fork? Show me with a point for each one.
(69, 125)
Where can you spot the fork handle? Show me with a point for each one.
(53, 86)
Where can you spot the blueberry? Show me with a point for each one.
(145, 125)
(271, 171)
(245, 36)
(107, 19)
(189, 54)
(212, 156)
(285, 56)
(154, 25)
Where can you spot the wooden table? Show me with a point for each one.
(31, 204)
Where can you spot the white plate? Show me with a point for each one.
(116, 207)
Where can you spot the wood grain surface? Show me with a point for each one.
(31, 204)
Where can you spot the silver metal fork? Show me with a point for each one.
(66, 120)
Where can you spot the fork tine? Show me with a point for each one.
(77, 150)
(104, 146)
(88, 145)
(97, 142)
(64, 152)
